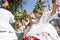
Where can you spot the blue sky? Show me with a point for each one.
(30, 5)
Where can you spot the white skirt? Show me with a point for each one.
(43, 31)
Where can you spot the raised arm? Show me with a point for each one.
(54, 7)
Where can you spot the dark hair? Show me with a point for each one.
(35, 11)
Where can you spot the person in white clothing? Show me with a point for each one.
(43, 30)
(6, 30)
(56, 20)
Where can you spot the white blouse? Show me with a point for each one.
(44, 30)
(6, 18)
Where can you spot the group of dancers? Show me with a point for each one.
(42, 30)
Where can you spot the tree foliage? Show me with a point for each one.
(39, 7)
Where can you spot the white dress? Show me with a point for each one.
(6, 30)
(43, 30)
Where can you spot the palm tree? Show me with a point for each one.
(20, 7)
(16, 5)
(39, 7)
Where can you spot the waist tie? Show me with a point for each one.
(6, 31)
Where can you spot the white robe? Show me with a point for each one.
(44, 30)
(6, 18)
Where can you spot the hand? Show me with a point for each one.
(22, 28)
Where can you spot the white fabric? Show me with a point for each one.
(6, 16)
(55, 16)
(45, 17)
(58, 2)
(5, 19)
(44, 26)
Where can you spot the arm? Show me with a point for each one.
(54, 7)
(11, 18)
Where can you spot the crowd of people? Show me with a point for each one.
(38, 28)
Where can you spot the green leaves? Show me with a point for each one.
(20, 8)
(39, 7)
(16, 6)
(19, 15)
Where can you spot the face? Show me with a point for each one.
(25, 22)
(5, 4)
(38, 16)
